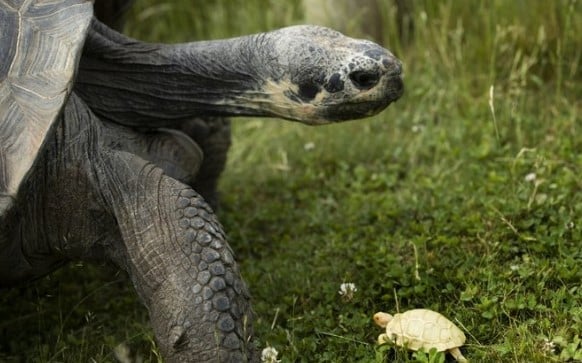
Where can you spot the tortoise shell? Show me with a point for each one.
(423, 328)
(41, 46)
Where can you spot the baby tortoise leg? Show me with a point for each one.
(456, 353)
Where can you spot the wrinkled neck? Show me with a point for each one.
(140, 84)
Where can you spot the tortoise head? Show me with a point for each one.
(305, 73)
(317, 75)
(382, 319)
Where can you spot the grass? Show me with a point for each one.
(456, 198)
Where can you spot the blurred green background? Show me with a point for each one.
(463, 197)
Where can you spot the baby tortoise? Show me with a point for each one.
(421, 328)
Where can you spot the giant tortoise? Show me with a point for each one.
(95, 166)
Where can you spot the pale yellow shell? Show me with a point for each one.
(422, 328)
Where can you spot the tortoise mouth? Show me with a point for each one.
(280, 102)
(365, 107)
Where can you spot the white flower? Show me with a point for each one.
(548, 346)
(347, 290)
(309, 146)
(417, 128)
(269, 355)
(530, 177)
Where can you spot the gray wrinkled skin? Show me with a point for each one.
(304, 73)
(112, 153)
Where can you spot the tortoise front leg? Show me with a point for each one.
(112, 204)
(177, 256)
(456, 353)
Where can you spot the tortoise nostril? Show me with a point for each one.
(364, 79)
(394, 68)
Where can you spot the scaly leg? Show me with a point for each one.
(179, 261)
(114, 205)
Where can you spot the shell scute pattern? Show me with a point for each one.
(31, 74)
(421, 328)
